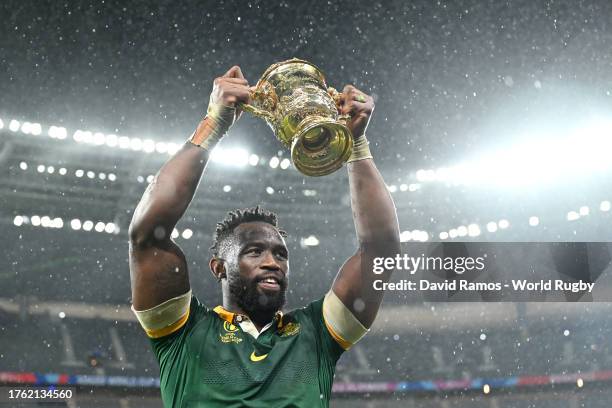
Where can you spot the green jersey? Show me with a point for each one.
(211, 362)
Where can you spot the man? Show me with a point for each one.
(247, 352)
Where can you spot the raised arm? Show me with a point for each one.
(374, 216)
(158, 268)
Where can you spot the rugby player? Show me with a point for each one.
(247, 352)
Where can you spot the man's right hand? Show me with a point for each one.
(229, 89)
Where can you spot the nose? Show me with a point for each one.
(269, 262)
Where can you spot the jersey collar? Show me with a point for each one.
(237, 318)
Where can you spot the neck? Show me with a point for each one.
(259, 317)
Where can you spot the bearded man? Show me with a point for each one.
(247, 352)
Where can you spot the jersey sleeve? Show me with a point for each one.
(172, 343)
(329, 346)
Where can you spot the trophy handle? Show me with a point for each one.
(264, 94)
(255, 111)
(344, 119)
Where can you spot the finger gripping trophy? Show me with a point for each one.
(293, 98)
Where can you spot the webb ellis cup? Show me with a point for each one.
(293, 98)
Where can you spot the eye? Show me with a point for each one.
(282, 255)
(254, 251)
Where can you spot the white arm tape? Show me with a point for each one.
(166, 317)
(341, 323)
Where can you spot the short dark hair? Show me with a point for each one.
(234, 218)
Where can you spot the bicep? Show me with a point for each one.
(354, 286)
(158, 273)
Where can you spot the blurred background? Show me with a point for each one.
(493, 122)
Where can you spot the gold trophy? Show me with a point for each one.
(293, 98)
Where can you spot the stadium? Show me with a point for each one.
(492, 124)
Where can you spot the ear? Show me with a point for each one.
(217, 268)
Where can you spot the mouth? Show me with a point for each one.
(269, 283)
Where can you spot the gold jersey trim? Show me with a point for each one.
(342, 325)
(165, 318)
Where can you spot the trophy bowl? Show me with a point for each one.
(294, 99)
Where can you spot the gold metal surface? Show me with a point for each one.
(293, 98)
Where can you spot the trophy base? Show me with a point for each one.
(321, 146)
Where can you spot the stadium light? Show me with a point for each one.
(40, 168)
(285, 163)
(421, 236)
(604, 206)
(26, 128)
(310, 241)
(541, 160)
(227, 188)
(99, 138)
(175, 234)
(62, 171)
(23, 165)
(18, 220)
(236, 157)
(1, 124)
(14, 125)
(503, 224)
(572, 216)
(492, 226)
(88, 225)
(112, 140)
(444, 235)
(187, 233)
(35, 220)
(45, 221)
(57, 132)
(405, 236)
(124, 142)
(161, 147)
(253, 160)
(274, 162)
(462, 231)
(75, 224)
(136, 144)
(584, 210)
(148, 146)
(534, 221)
(36, 129)
(269, 190)
(57, 223)
(473, 230)
(99, 226)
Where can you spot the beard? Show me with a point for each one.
(259, 305)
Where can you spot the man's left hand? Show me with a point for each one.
(359, 106)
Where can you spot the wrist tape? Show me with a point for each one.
(361, 150)
(218, 120)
